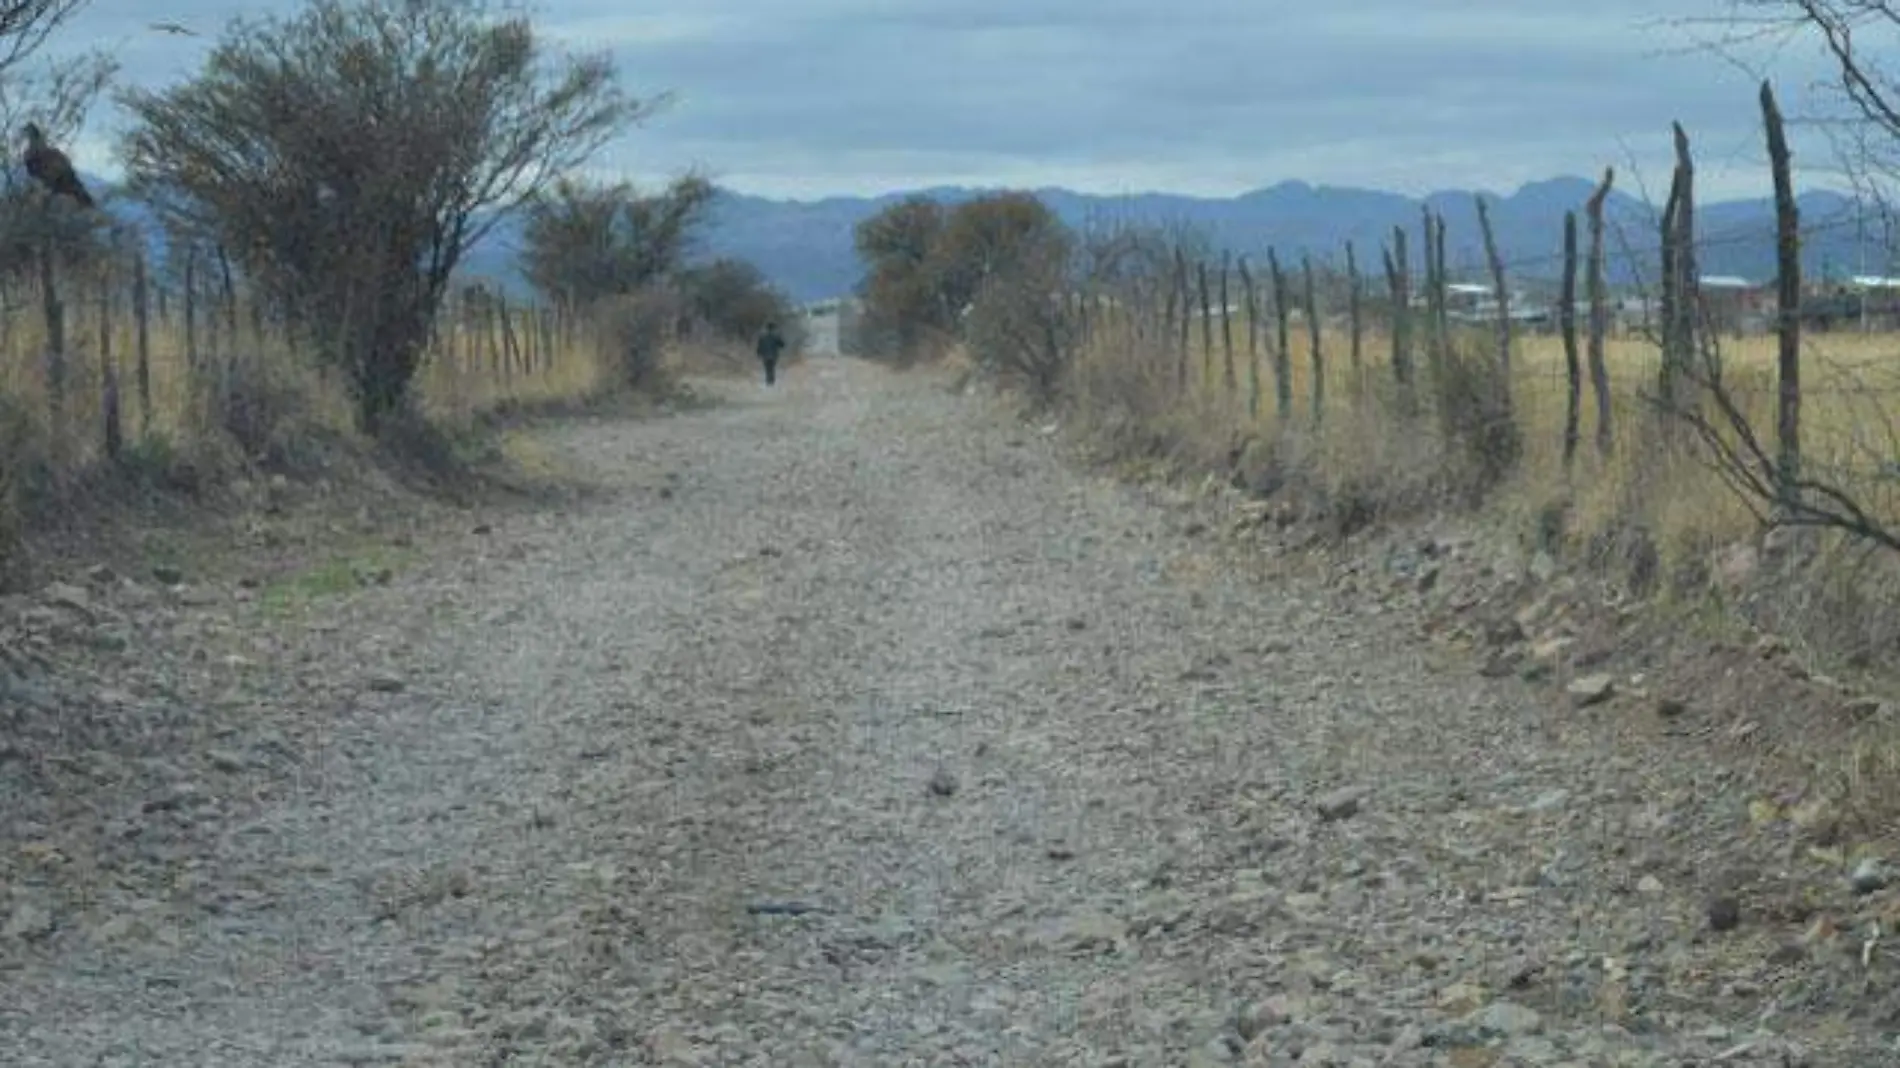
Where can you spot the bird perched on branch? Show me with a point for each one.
(50, 167)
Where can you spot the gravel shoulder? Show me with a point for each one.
(857, 726)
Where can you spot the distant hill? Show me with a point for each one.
(805, 247)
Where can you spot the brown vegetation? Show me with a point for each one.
(308, 313)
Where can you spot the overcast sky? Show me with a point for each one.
(813, 97)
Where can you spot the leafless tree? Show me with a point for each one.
(55, 95)
(1858, 108)
(25, 25)
(1020, 325)
(584, 242)
(349, 155)
(1771, 476)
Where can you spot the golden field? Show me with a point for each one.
(1850, 419)
(467, 372)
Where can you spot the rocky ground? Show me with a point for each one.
(857, 725)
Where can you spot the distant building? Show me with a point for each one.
(1734, 305)
(1873, 301)
(1633, 314)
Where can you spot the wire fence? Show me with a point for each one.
(1212, 339)
(103, 357)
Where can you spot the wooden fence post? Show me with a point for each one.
(1313, 340)
(1599, 311)
(190, 310)
(1430, 282)
(1441, 282)
(511, 350)
(1167, 321)
(1501, 392)
(1788, 314)
(1441, 323)
(1567, 322)
(1355, 325)
(1667, 299)
(1227, 326)
(1181, 293)
(530, 342)
(1689, 289)
(491, 336)
(1207, 326)
(55, 315)
(1679, 294)
(1500, 285)
(1282, 349)
(142, 339)
(113, 429)
(1253, 339)
(1434, 338)
(1398, 270)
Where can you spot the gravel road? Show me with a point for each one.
(856, 727)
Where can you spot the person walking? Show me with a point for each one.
(771, 343)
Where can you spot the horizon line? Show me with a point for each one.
(983, 188)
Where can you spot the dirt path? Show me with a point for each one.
(859, 729)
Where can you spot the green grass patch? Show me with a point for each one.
(338, 575)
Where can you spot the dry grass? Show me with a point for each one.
(1850, 429)
(1833, 603)
(246, 376)
(253, 402)
(1653, 496)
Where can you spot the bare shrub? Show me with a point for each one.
(1485, 439)
(347, 157)
(25, 25)
(1020, 327)
(930, 269)
(21, 466)
(636, 328)
(262, 404)
(1127, 393)
(586, 242)
(733, 300)
(903, 312)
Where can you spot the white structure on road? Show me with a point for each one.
(821, 328)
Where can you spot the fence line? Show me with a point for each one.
(1684, 350)
(1665, 384)
(110, 353)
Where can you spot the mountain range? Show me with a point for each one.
(805, 247)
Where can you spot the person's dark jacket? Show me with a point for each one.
(770, 345)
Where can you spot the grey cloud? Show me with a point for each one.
(1123, 85)
(1195, 94)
